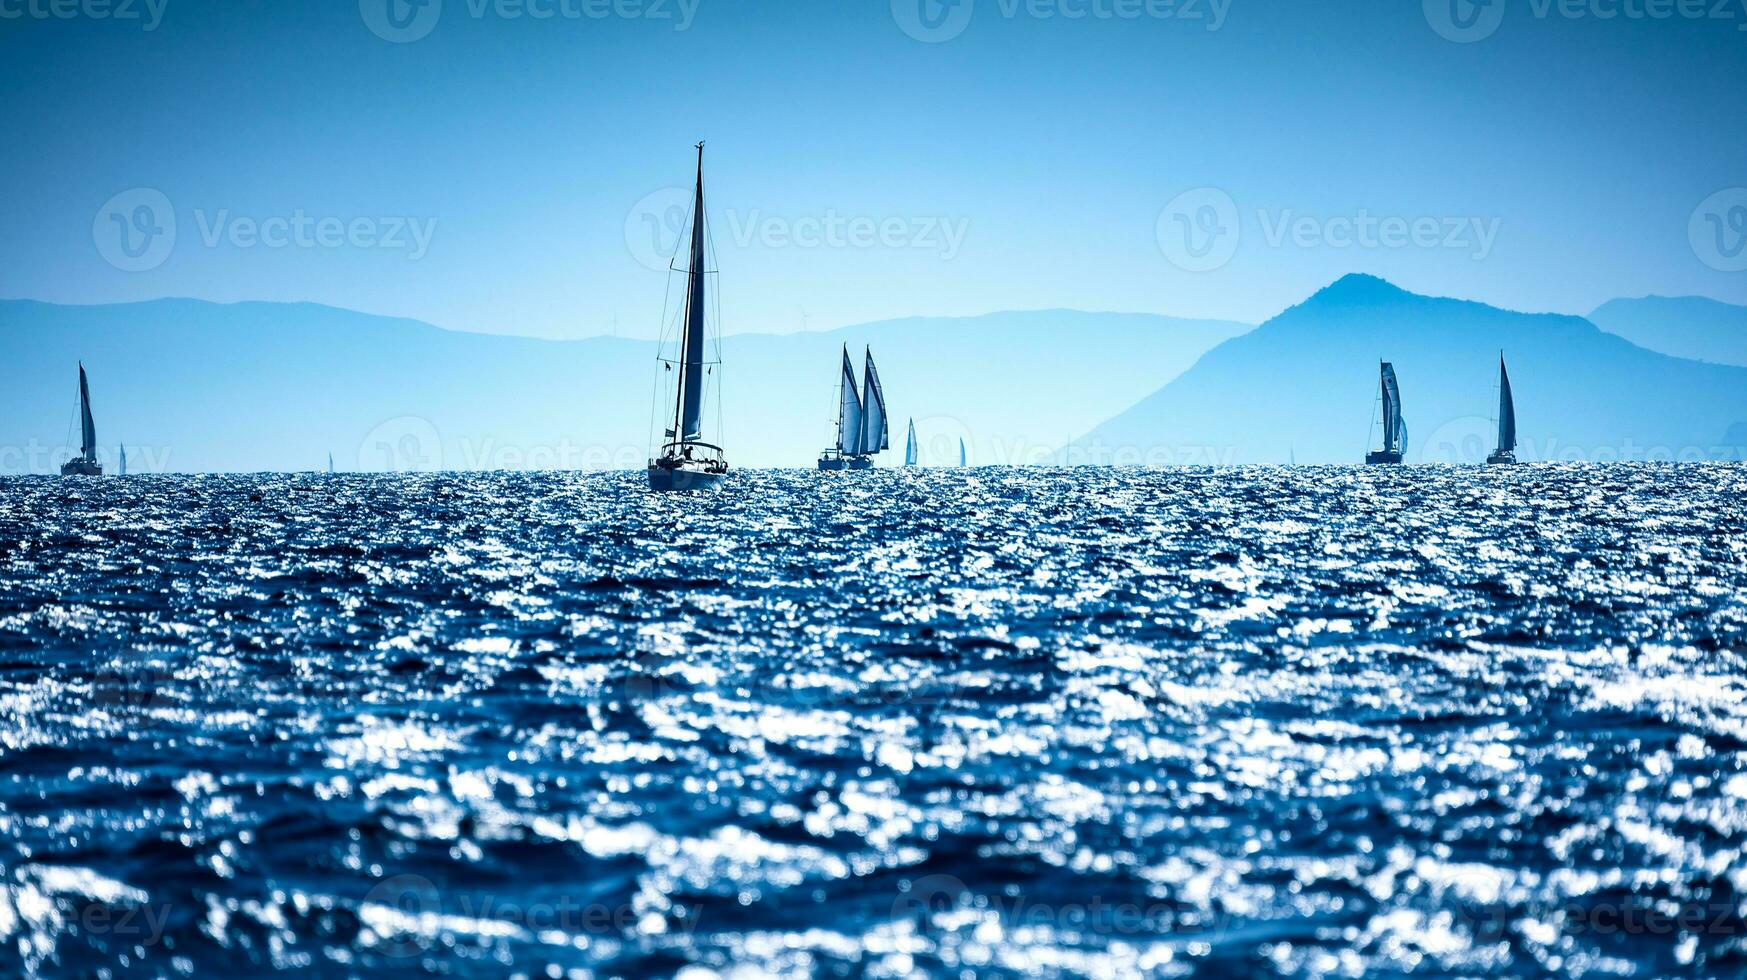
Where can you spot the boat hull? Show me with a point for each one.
(1501, 459)
(81, 467)
(1382, 458)
(834, 463)
(666, 478)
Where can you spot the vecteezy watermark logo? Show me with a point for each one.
(299, 230)
(1467, 21)
(1717, 230)
(1464, 21)
(407, 444)
(403, 21)
(400, 21)
(932, 21)
(1199, 231)
(1365, 230)
(1465, 441)
(135, 230)
(395, 908)
(149, 13)
(654, 224)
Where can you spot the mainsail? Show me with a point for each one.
(1506, 411)
(961, 452)
(875, 434)
(87, 428)
(123, 450)
(910, 446)
(849, 415)
(689, 410)
(1394, 430)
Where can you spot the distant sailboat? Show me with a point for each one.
(910, 446)
(1394, 428)
(686, 461)
(330, 463)
(862, 427)
(961, 456)
(1506, 450)
(121, 469)
(85, 464)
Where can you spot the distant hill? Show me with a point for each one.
(1305, 384)
(1684, 326)
(187, 385)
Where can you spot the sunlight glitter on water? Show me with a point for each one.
(1308, 722)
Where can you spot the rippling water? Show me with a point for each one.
(1311, 721)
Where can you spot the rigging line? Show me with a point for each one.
(1373, 425)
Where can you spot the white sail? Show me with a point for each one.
(875, 434)
(961, 456)
(910, 446)
(1394, 429)
(849, 421)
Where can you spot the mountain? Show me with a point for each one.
(1684, 326)
(1305, 383)
(187, 385)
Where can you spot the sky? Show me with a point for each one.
(514, 166)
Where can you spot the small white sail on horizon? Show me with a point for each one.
(910, 446)
(1505, 451)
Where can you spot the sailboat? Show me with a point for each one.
(961, 456)
(330, 464)
(1506, 450)
(686, 461)
(1394, 428)
(85, 464)
(862, 428)
(121, 469)
(910, 446)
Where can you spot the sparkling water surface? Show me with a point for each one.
(1317, 721)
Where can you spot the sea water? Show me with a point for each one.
(1311, 721)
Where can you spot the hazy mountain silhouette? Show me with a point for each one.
(1305, 382)
(187, 385)
(1684, 326)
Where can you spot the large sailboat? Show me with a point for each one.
(686, 461)
(862, 427)
(1394, 428)
(84, 464)
(1506, 449)
(910, 446)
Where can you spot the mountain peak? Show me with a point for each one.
(1359, 287)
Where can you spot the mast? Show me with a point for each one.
(876, 434)
(87, 428)
(1506, 410)
(688, 402)
(849, 414)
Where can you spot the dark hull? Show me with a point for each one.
(666, 478)
(1382, 457)
(81, 467)
(1501, 459)
(834, 463)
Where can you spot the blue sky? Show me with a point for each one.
(503, 172)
